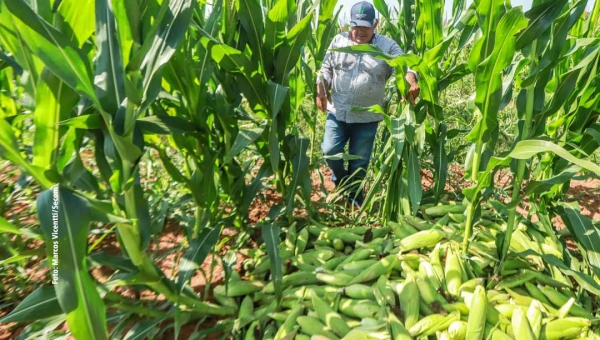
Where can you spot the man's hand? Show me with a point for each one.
(322, 103)
(322, 97)
(413, 92)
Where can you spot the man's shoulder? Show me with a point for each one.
(384, 40)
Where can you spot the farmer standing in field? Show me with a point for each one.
(349, 80)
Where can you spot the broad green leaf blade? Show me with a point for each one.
(585, 281)
(252, 190)
(250, 14)
(415, 189)
(539, 187)
(237, 63)
(165, 125)
(289, 53)
(372, 50)
(54, 102)
(172, 170)
(274, 32)
(528, 148)
(170, 33)
(244, 138)
(440, 163)
(65, 217)
(196, 254)
(128, 151)
(86, 122)
(59, 54)
(108, 82)
(9, 150)
(270, 234)
(429, 24)
(136, 20)
(13, 43)
(541, 18)
(587, 235)
(144, 329)
(276, 94)
(122, 10)
(42, 301)
(79, 17)
(7, 227)
(300, 171)
(22, 255)
(488, 77)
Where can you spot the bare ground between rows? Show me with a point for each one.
(168, 245)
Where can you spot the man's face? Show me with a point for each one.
(362, 34)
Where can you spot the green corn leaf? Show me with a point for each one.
(440, 163)
(415, 189)
(539, 187)
(54, 102)
(562, 26)
(79, 17)
(65, 218)
(59, 54)
(127, 28)
(172, 170)
(540, 18)
(22, 255)
(275, 29)
(42, 301)
(300, 171)
(108, 82)
(144, 329)
(165, 125)
(297, 90)
(236, 62)
(128, 150)
(252, 190)
(587, 235)
(584, 280)
(13, 43)
(7, 227)
(276, 94)
(289, 54)
(9, 150)
(525, 150)
(244, 138)
(452, 76)
(488, 76)
(372, 50)
(170, 32)
(270, 234)
(382, 8)
(434, 54)
(528, 148)
(86, 122)
(251, 17)
(115, 262)
(196, 254)
(429, 24)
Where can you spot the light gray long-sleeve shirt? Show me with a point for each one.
(356, 79)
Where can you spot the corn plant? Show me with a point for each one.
(524, 35)
(116, 79)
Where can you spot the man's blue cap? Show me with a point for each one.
(362, 14)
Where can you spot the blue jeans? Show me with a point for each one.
(361, 137)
